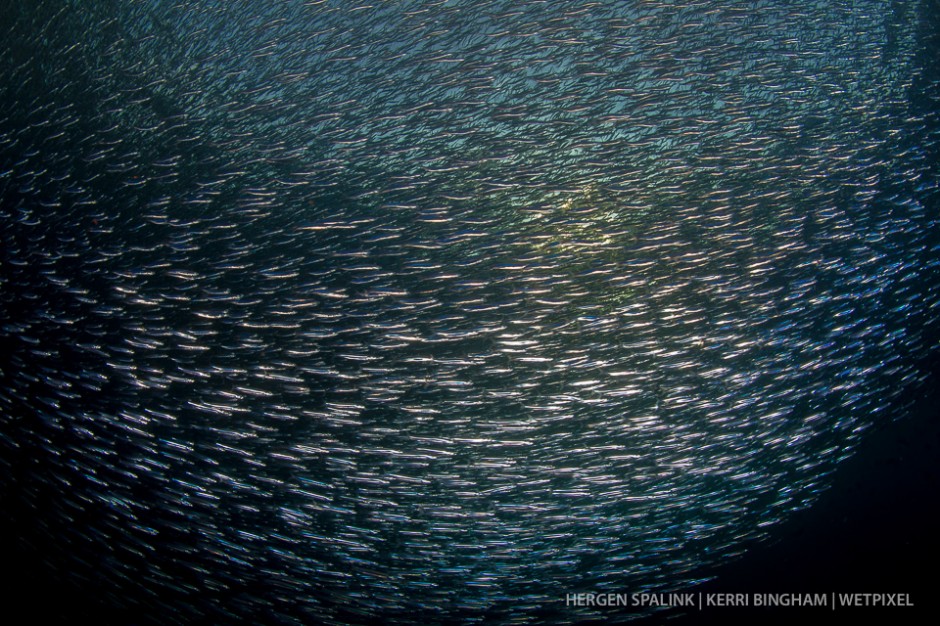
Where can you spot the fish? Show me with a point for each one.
(446, 310)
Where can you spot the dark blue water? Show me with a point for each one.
(439, 311)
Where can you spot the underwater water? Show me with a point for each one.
(326, 312)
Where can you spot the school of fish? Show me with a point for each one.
(438, 310)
